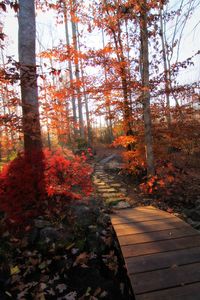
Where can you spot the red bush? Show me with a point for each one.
(167, 179)
(69, 177)
(30, 185)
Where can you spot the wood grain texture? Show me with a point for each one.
(188, 292)
(149, 226)
(156, 261)
(160, 246)
(156, 236)
(166, 278)
(161, 252)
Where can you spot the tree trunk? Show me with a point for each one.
(124, 77)
(73, 99)
(89, 129)
(166, 71)
(146, 89)
(77, 74)
(28, 77)
(108, 109)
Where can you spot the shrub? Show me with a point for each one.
(29, 186)
(134, 156)
(166, 181)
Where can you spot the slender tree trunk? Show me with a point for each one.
(128, 57)
(124, 76)
(145, 88)
(28, 77)
(73, 99)
(77, 74)
(45, 99)
(125, 72)
(108, 110)
(47, 117)
(89, 129)
(166, 71)
(5, 100)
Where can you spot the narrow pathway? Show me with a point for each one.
(113, 193)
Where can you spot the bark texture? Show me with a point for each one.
(146, 89)
(77, 74)
(28, 76)
(73, 99)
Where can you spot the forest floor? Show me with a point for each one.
(79, 257)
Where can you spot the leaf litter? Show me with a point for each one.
(84, 263)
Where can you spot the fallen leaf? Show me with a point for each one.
(43, 286)
(88, 291)
(61, 287)
(14, 270)
(81, 259)
(42, 265)
(51, 292)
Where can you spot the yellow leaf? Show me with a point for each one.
(14, 270)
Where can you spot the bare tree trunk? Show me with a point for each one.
(47, 117)
(5, 100)
(45, 97)
(108, 110)
(145, 89)
(73, 99)
(166, 70)
(127, 111)
(89, 129)
(129, 70)
(77, 74)
(28, 77)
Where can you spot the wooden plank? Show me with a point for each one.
(162, 254)
(156, 236)
(140, 208)
(140, 218)
(187, 292)
(137, 211)
(163, 260)
(160, 246)
(167, 278)
(148, 226)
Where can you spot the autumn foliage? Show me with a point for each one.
(173, 148)
(34, 186)
(167, 180)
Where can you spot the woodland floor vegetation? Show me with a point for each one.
(60, 246)
(59, 254)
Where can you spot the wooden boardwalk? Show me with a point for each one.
(161, 252)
